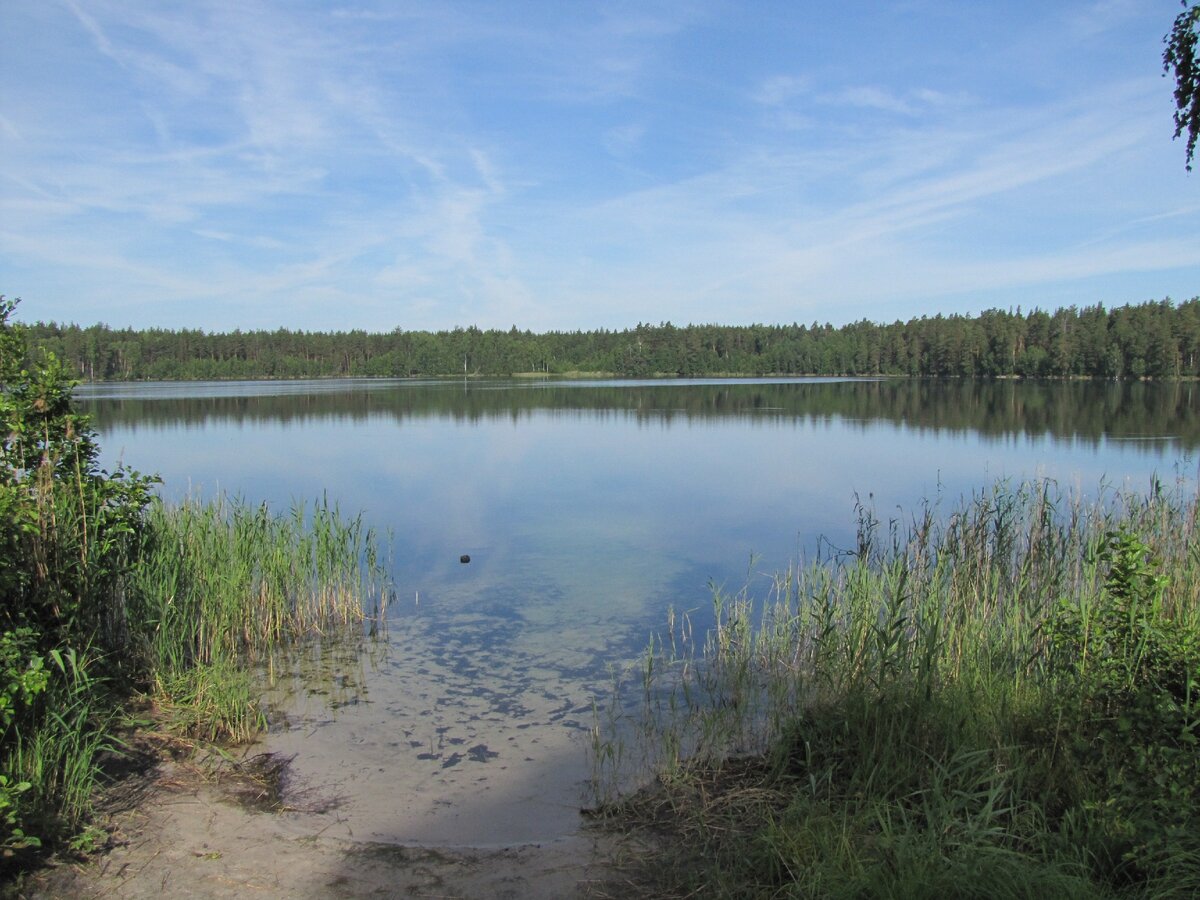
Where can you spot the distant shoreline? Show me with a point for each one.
(1154, 340)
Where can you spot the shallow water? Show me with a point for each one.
(588, 509)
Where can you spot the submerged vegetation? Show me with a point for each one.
(1148, 340)
(1002, 701)
(109, 593)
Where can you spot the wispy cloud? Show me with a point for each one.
(766, 227)
(908, 103)
(442, 163)
(780, 89)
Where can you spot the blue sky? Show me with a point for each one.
(558, 165)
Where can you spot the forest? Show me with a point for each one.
(1157, 339)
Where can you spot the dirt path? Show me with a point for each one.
(177, 833)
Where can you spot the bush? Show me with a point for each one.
(1127, 675)
(66, 531)
(106, 592)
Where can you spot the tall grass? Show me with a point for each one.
(220, 584)
(225, 579)
(107, 591)
(1007, 690)
(52, 756)
(206, 591)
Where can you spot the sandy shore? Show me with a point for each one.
(179, 833)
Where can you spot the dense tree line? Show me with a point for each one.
(1148, 340)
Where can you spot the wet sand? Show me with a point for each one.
(448, 760)
(408, 774)
(186, 836)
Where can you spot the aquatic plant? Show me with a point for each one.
(219, 584)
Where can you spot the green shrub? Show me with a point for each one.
(22, 677)
(106, 591)
(66, 531)
(1127, 673)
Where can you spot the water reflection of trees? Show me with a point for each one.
(1077, 410)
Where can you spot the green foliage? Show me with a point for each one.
(22, 678)
(67, 525)
(1133, 705)
(1180, 59)
(107, 591)
(1153, 340)
(1120, 642)
(12, 836)
(55, 751)
(65, 531)
(22, 674)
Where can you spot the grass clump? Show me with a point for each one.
(223, 584)
(1001, 702)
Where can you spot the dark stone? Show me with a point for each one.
(464, 558)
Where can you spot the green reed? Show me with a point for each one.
(881, 722)
(107, 593)
(221, 584)
(205, 593)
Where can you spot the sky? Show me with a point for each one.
(566, 165)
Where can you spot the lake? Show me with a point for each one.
(588, 509)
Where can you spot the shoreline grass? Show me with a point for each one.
(110, 594)
(208, 592)
(997, 702)
(222, 584)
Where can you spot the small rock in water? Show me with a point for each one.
(464, 558)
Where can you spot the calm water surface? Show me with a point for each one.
(588, 509)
